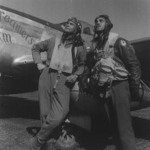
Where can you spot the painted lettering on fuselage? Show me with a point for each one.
(10, 24)
(5, 37)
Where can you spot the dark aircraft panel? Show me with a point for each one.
(142, 48)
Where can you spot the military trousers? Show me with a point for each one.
(120, 117)
(54, 103)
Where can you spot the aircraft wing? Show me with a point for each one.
(142, 49)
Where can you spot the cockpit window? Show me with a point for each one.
(87, 30)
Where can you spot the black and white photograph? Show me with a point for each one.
(74, 75)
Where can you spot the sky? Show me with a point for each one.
(131, 18)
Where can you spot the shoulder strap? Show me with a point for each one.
(112, 38)
(74, 53)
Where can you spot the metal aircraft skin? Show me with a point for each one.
(19, 31)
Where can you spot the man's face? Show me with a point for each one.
(100, 24)
(70, 27)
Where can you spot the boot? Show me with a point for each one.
(35, 143)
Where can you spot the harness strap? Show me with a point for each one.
(57, 79)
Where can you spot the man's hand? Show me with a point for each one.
(72, 78)
(40, 66)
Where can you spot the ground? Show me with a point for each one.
(19, 119)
